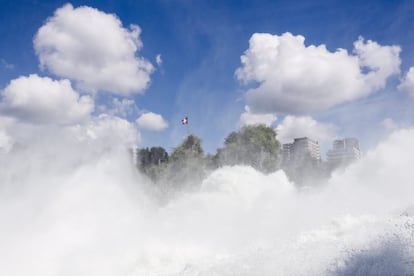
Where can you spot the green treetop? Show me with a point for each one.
(253, 145)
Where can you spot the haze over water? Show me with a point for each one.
(66, 213)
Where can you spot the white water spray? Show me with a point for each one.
(79, 207)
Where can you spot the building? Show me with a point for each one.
(343, 152)
(302, 150)
(287, 153)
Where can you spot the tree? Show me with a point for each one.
(153, 156)
(187, 164)
(189, 148)
(150, 161)
(254, 145)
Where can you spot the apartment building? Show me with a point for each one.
(300, 151)
(343, 152)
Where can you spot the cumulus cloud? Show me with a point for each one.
(381, 61)
(390, 124)
(407, 83)
(298, 79)
(6, 141)
(93, 48)
(119, 107)
(43, 100)
(107, 130)
(158, 59)
(152, 121)
(293, 127)
(249, 118)
(97, 133)
(123, 107)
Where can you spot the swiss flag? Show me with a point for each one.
(184, 121)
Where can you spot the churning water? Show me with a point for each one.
(81, 208)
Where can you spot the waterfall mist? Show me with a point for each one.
(78, 206)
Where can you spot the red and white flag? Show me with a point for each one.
(185, 121)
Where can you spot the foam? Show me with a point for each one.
(79, 207)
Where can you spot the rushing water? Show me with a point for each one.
(82, 209)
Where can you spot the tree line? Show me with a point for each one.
(253, 145)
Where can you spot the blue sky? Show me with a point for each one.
(200, 45)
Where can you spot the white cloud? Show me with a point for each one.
(382, 61)
(107, 130)
(294, 127)
(390, 124)
(407, 83)
(6, 141)
(43, 100)
(122, 108)
(93, 48)
(152, 121)
(6, 65)
(101, 133)
(158, 59)
(249, 118)
(294, 78)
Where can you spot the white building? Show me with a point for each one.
(300, 151)
(343, 152)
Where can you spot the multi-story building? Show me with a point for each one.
(300, 151)
(287, 153)
(343, 152)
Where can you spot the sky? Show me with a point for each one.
(322, 69)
